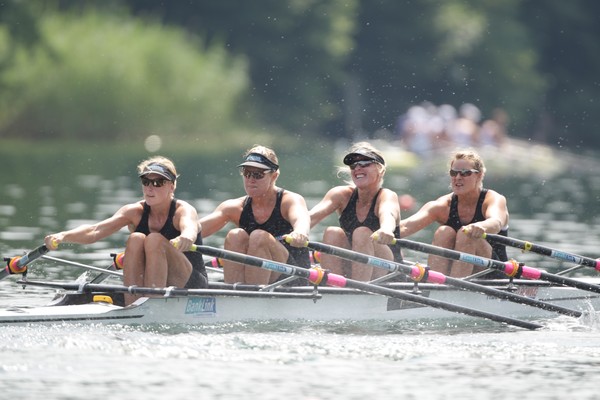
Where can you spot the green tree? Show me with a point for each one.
(329, 66)
(567, 34)
(109, 76)
(296, 50)
(454, 52)
(18, 29)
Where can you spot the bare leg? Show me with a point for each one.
(466, 244)
(362, 243)
(236, 240)
(133, 264)
(165, 265)
(335, 236)
(156, 260)
(444, 237)
(382, 251)
(262, 244)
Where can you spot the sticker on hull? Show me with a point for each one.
(201, 306)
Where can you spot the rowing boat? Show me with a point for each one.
(319, 295)
(223, 303)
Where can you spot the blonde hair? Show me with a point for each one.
(164, 161)
(365, 147)
(265, 151)
(473, 157)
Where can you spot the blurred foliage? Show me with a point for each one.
(333, 68)
(566, 36)
(450, 52)
(296, 50)
(18, 28)
(112, 77)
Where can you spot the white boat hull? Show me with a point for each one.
(216, 306)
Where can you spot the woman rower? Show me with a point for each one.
(464, 216)
(261, 217)
(162, 228)
(369, 214)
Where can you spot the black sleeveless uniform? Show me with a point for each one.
(349, 222)
(276, 225)
(198, 278)
(498, 250)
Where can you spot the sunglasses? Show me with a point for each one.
(362, 164)
(463, 172)
(154, 182)
(254, 174)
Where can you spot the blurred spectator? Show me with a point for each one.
(494, 130)
(464, 131)
(414, 130)
(425, 128)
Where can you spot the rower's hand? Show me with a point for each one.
(297, 239)
(382, 237)
(474, 231)
(52, 241)
(182, 243)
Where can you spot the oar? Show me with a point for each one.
(420, 273)
(239, 290)
(546, 251)
(85, 266)
(510, 268)
(18, 264)
(318, 277)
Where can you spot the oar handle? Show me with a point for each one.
(511, 268)
(18, 264)
(543, 250)
(313, 275)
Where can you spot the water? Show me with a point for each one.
(296, 360)
(300, 361)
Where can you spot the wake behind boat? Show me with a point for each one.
(223, 303)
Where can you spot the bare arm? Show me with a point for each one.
(186, 218)
(296, 212)
(227, 211)
(91, 233)
(432, 211)
(388, 212)
(496, 216)
(333, 200)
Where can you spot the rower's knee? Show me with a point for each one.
(260, 237)
(444, 236)
(335, 236)
(136, 240)
(236, 240)
(154, 239)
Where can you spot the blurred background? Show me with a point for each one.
(123, 70)
(90, 88)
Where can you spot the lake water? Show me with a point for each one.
(554, 202)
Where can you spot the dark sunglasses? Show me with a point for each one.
(154, 182)
(362, 164)
(254, 174)
(463, 172)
